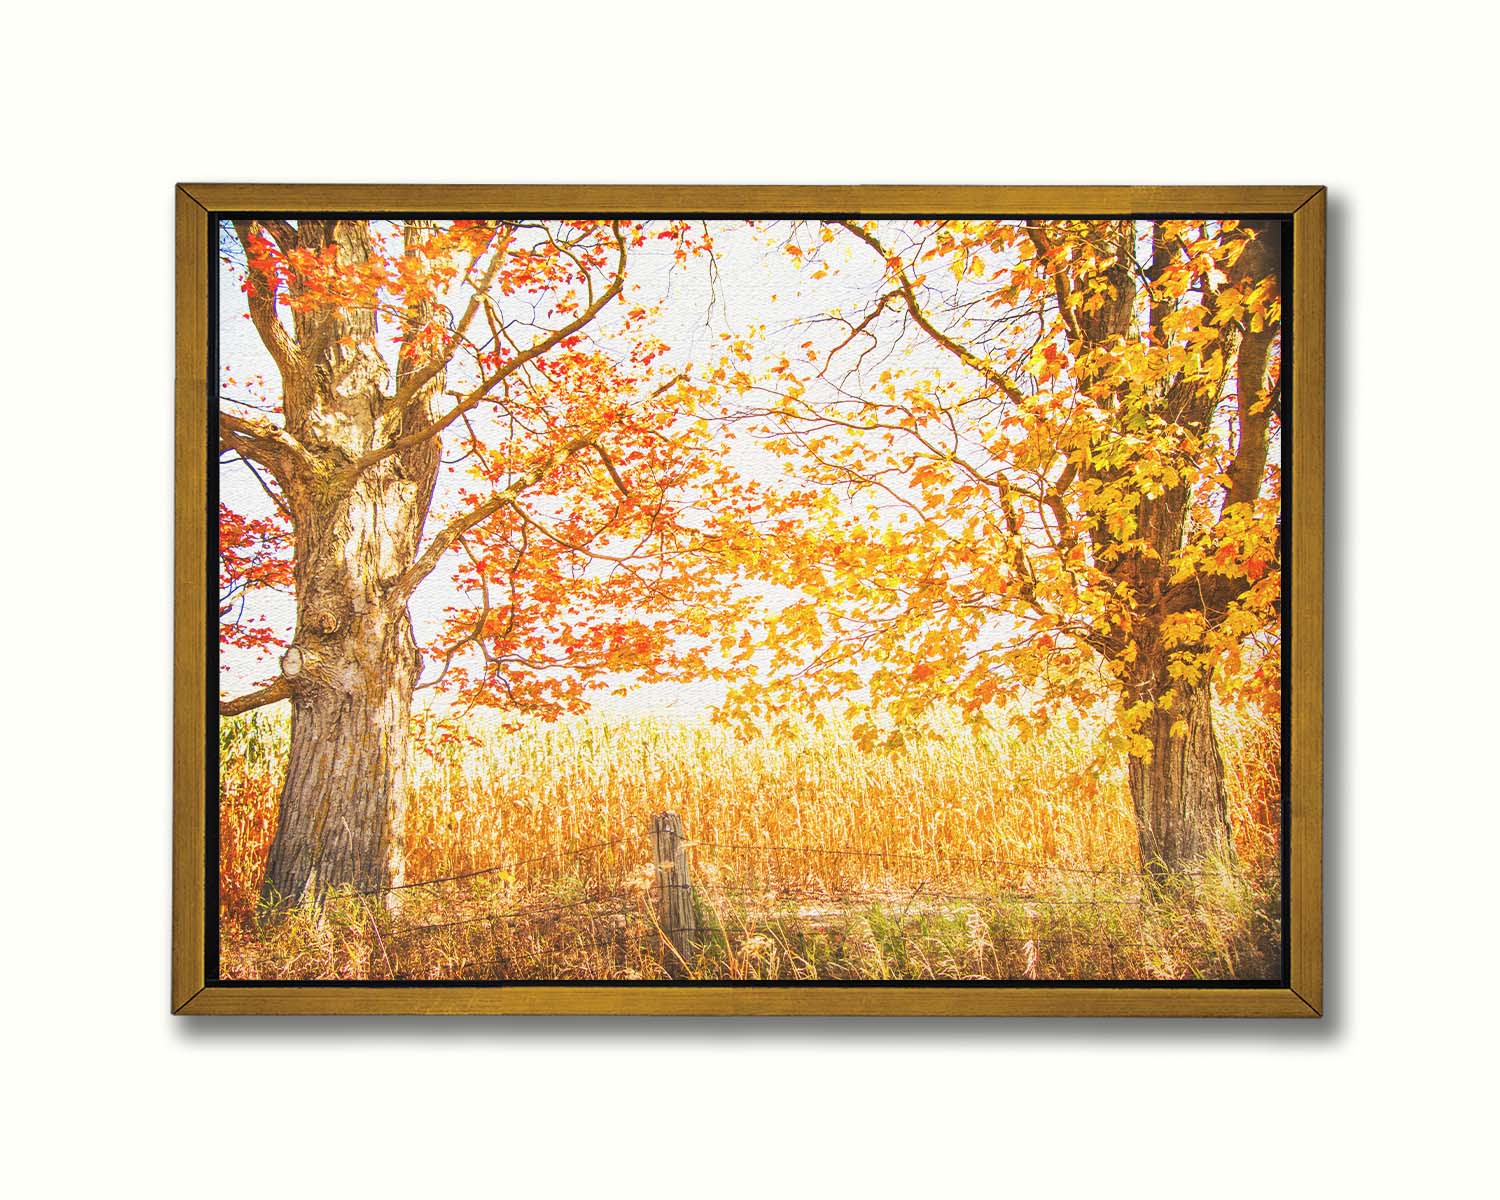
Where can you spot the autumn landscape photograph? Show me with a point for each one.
(758, 599)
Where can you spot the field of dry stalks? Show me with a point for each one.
(967, 856)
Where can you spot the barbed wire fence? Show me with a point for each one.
(683, 922)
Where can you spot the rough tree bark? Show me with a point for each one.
(353, 662)
(1181, 808)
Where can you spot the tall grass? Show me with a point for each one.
(967, 855)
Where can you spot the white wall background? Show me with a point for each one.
(105, 110)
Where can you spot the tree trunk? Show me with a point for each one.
(351, 668)
(1181, 809)
(353, 663)
(344, 800)
(1182, 813)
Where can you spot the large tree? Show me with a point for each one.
(1041, 469)
(569, 529)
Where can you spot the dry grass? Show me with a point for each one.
(967, 856)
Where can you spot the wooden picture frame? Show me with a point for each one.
(196, 990)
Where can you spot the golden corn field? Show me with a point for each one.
(971, 855)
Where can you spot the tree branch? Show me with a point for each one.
(282, 231)
(1261, 260)
(609, 466)
(283, 349)
(476, 635)
(269, 694)
(856, 330)
(1249, 464)
(407, 582)
(487, 385)
(275, 497)
(269, 445)
(1060, 290)
(419, 379)
(908, 293)
(550, 535)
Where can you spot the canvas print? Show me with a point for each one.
(764, 599)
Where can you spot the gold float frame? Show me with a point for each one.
(192, 992)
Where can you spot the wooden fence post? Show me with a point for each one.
(674, 893)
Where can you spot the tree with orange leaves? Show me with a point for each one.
(508, 349)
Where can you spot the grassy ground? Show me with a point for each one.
(969, 856)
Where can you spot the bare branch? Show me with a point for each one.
(908, 293)
(268, 444)
(550, 535)
(269, 694)
(276, 498)
(855, 330)
(476, 635)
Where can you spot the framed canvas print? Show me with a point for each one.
(752, 600)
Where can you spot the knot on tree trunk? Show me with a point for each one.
(307, 666)
(323, 618)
